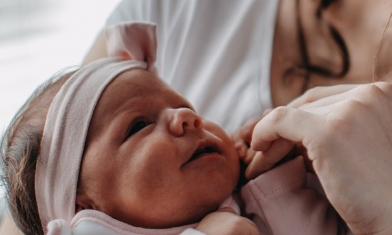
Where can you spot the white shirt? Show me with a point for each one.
(215, 52)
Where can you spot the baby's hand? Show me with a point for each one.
(258, 162)
(242, 138)
(279, 150)
(226, 222)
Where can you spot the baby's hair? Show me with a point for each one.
(19, 149)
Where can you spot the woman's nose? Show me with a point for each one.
(183, 119)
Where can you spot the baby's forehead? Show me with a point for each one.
(137, 77)
(136, 82)
(129, 89)
(132, 93)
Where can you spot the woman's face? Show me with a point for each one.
(321, 43)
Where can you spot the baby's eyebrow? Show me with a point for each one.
(119, 125)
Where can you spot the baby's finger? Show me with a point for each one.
(264, 161)
(247, 129)
(239, 144)
(241, 148)
(249, 156)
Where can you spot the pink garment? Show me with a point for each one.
(280, 202)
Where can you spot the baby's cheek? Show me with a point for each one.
(148, 178)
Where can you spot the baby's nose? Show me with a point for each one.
(183, 119)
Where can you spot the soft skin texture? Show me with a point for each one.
(138, 165)
(359, 24)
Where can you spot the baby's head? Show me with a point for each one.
(134, 149)
(19, 152)
(150, 160)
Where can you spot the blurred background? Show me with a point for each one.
(37, 39)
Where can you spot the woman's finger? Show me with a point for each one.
(227, 209)
(318, 93)
(288, 123)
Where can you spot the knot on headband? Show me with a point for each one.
(130, 46)
(133, 41)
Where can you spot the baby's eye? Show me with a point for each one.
(136, 126)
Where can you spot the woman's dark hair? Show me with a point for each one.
(19, 150)
(306, 68)
(381, 65)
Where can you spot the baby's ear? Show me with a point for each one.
(82, 202)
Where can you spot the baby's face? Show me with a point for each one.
(150, 160)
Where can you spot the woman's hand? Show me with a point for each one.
(226, 222)
(280, 147)
(348, 137)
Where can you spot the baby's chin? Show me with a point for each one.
(189, 213)
(184, 207)
(214, 200)
(197, 213)
(171, 220)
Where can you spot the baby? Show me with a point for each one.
(120, 152)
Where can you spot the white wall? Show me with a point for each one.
(38, 38)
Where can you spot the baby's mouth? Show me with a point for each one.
(203, 151)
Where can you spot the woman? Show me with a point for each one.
(282, 48)
(247, 56)
(315, 43)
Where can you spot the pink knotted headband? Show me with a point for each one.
(130, 45)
